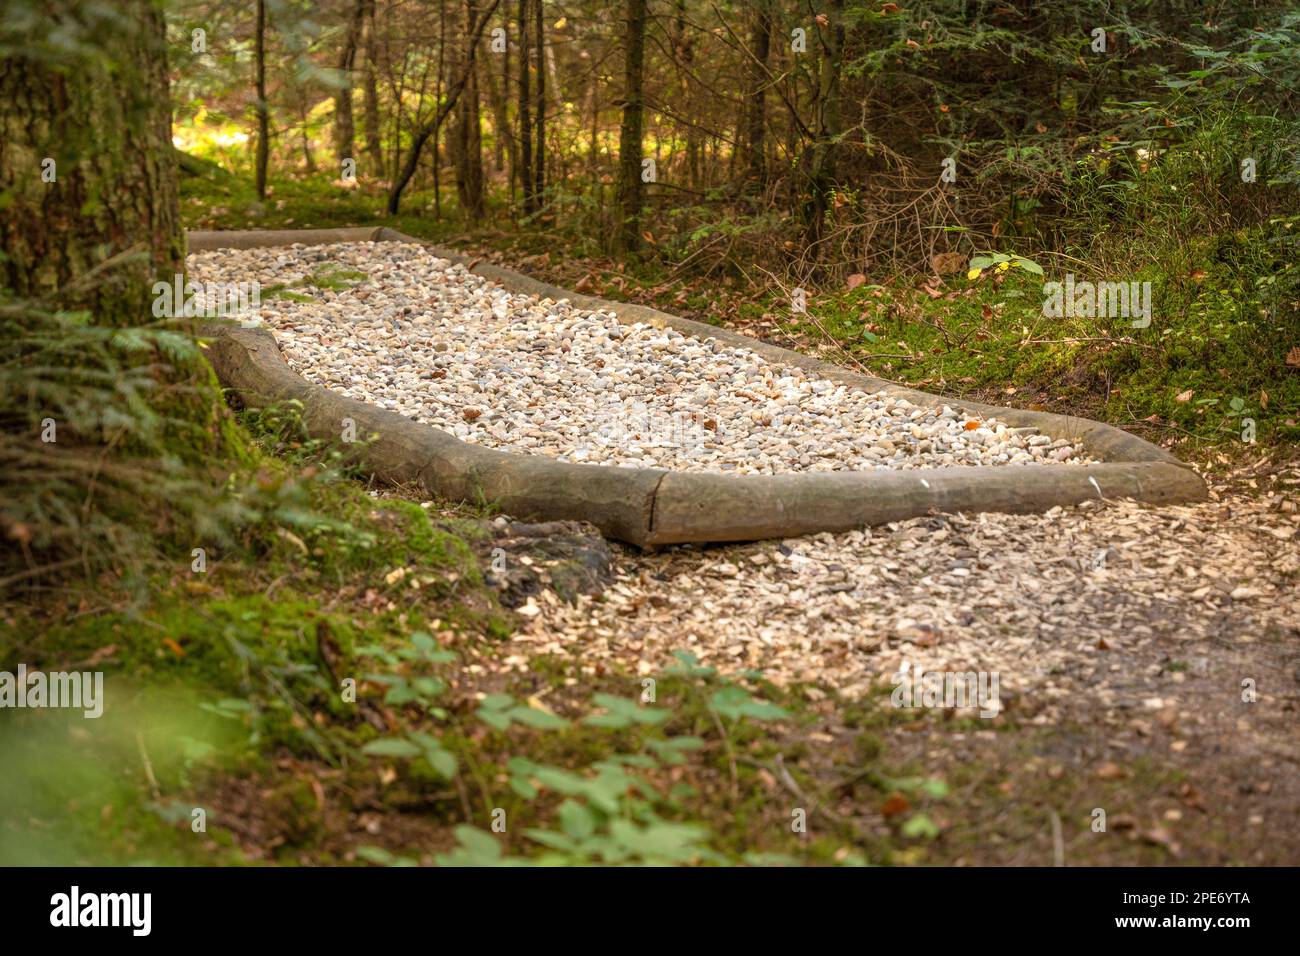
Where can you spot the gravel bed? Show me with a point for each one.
(1076, 598)
(443, 346)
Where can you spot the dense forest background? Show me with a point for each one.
(780, 133)
(676, 150)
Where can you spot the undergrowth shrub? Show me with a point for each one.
(117, 453)
(111, 443)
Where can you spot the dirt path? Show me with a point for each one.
(1148, 662)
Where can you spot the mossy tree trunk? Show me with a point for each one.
(87, 169)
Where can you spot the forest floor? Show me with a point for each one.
(717, 705)
(1124, 639)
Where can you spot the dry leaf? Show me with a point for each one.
(856, 280)
(947, 263)
(1185, 396)
(1293, 357)
(894, 804)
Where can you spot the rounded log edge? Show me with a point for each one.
(647, 506)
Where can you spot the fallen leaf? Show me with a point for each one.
(856, 280)
(947, 263)
(1185, 396)
(1293, 357)
(894, 805)
(1111, 771)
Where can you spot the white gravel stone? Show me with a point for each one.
(446, 347)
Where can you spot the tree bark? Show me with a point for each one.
(684, 53)
(105, 122)
(627, 233)
(344, 124)
(505, 134)
(263, 110)
(468, 136)
(826, 125)
(371, 93)
(539, 155)
(755, 108)
(303, 138)
(525, 120)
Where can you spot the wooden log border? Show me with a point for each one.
(651, 506)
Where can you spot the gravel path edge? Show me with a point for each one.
(649, 507)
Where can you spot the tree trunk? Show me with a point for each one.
(539, 156)
(755, 107)
(263, 110)
(525, 121)
(105, 123)
(371, 94)
(627, 234)
(593, 148)
(437, 98)
(304, 139)
(684, 53)
(344, 125)
(505, 135)
(826, 125)
(469, 136)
